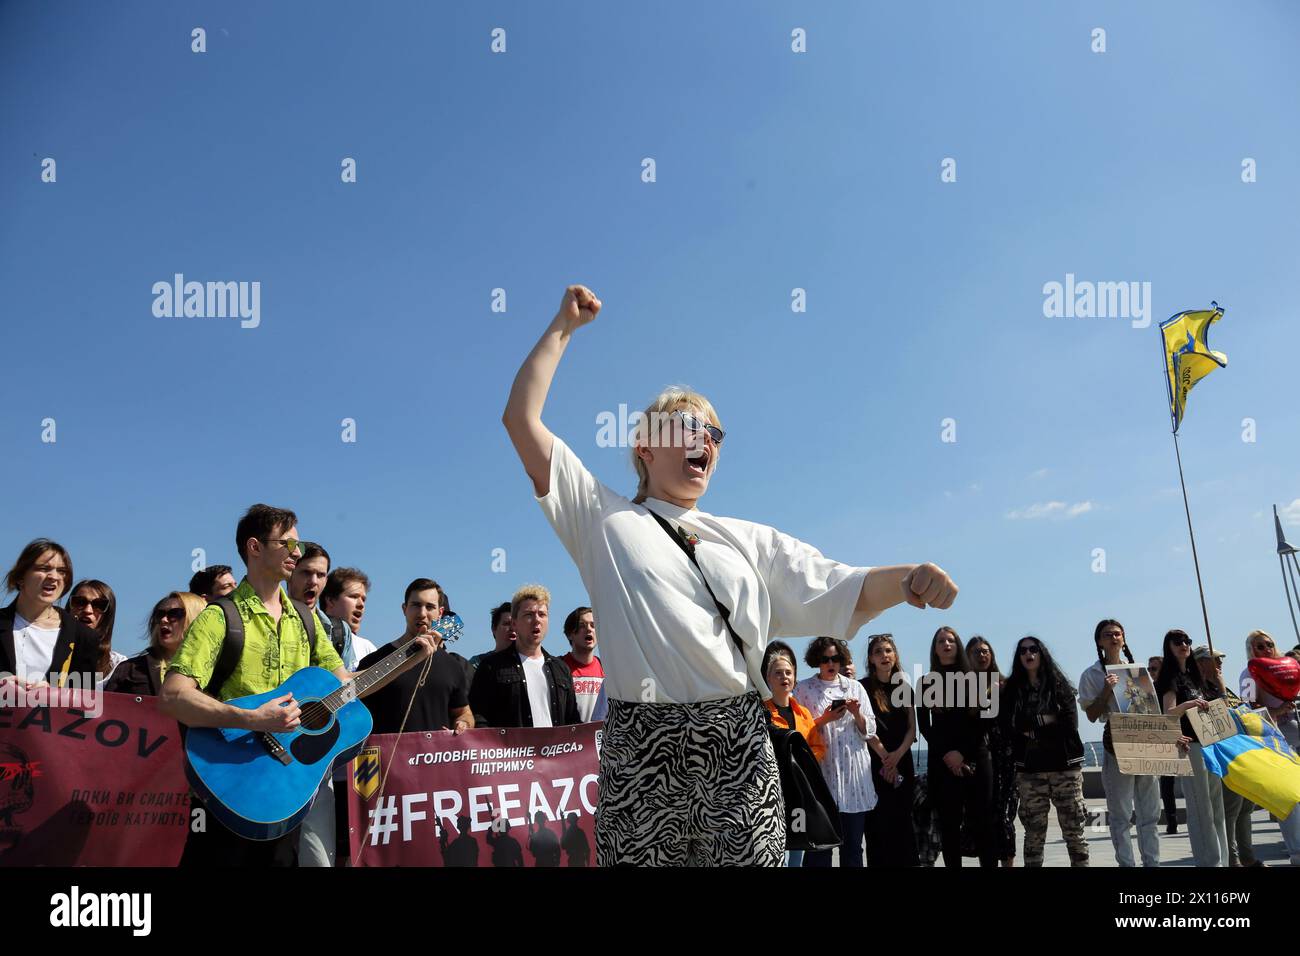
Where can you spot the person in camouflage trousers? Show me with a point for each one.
(1039, 717)
(1039, 792)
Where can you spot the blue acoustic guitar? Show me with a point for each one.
(261, 785)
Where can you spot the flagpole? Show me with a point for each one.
(1192, 535)
(1284, 551)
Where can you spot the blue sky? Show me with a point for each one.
(775, 170)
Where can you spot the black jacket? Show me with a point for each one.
(141, 675)
(75, 641)
(501, 697)
(1038, 746)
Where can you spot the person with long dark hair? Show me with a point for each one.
(686, 602)
(891, 840)
(1180, 689)
(959, 770)
(1126, 795)
(1039, 718)
(1006, 796)
(94, 604)
(40, 642)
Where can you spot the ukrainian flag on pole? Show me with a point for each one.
(1257, 763)
(1188, 357)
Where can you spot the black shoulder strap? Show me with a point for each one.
(308, 617)
(338, 635)
(690, 553)
(232, 646)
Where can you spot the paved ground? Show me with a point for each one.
(1175, 850)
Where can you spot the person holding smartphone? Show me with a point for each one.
(842, 711)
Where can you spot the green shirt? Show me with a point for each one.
(272, 653)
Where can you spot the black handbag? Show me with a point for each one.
(812, 820)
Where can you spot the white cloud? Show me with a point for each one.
(1290, 513)
(1050, 509)
(1040, 473)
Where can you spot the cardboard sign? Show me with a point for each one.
(1214, 724)
(1147, 745)
(1142, 766)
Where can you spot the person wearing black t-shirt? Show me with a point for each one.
(442, 700)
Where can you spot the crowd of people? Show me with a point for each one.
(986, 767)
(691, 608)
(990, 762)
(519, 684)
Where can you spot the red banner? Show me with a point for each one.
(89, 779)
(516, 797)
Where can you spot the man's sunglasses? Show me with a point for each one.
(80, 603)
(290, 544)
(694, 424)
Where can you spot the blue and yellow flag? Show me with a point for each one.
(1188, 356)
(1257, 763)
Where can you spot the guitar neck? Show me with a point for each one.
(374, 674)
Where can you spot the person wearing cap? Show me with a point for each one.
(1236, 808)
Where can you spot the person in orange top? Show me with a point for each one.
(779, 671)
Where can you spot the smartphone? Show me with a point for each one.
(838, 704)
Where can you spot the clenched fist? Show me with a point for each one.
(579, 307)
(928, 585)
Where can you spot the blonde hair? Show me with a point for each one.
(191, 602)
(671, 399)
(1250, 643)
(529, 592)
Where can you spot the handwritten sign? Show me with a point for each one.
(1147, 745)
(1141, 766)
(1214, 724)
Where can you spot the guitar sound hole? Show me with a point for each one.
(315, 716)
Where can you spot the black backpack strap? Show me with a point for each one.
(689, 548)
(338, 635)
(232, 646)
(308, 617)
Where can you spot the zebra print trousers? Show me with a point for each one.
(689, 785)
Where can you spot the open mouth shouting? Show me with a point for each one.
(697, 461)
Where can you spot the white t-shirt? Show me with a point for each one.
(539, 695)
(33, 648)
(657, 621)
(846, 764)
(1092, 684)
(114, 658)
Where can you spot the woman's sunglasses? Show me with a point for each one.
(1180, 642)
(173, 614)
(832, 660)
(80, 603)
(1027, 651)
(694, 424)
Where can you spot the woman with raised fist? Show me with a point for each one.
(687, 602)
